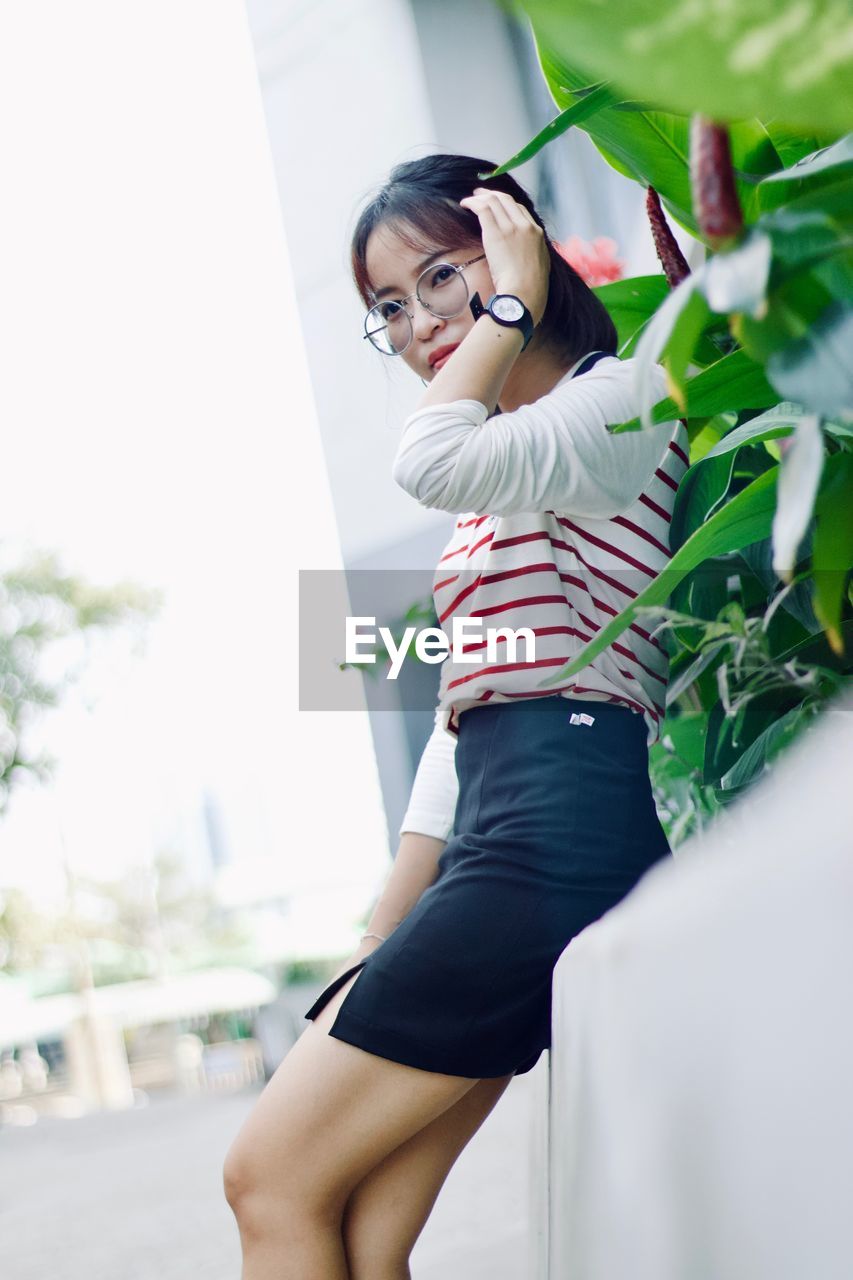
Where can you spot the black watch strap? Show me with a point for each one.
(524, 323)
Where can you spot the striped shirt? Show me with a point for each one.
(560, 524)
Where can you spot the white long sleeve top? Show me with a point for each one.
(559, 524)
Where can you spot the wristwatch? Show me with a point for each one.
(505, 309)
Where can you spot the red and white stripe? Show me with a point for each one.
(565, 578)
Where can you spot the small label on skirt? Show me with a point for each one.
(581, 718)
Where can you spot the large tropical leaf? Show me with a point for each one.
(583, 108)
(826, 166)
(817, 368)
(799, 477)
(775, 423)
(733, 281)
(703, 487)
(833, 548)
(756, 758)
(652, 146)
(746, 518)
(794, 145)
(779, 58)
(630, 304)
(735, 382)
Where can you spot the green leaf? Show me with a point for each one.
(792, 145)
(706, 433)
(704, 591)
(816, 652)
(682, 342)
(832, 548)
(735, 382)
(686, 677)
(729, 736)
(839, 430)
(746, 518)
(779, 58)
(587, 105)
(817, 185)
(775, 423)
(630, 303)
(817, 369)
(839, 155)
(737, 280)
(805, 232)
(795, 600)
(702, 488)
(817, 272)
(835, 272)
(653, 343)
(799, 477)
(685, 737)
(768, 744)
(652, 146)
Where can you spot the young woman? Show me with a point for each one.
(532, 812)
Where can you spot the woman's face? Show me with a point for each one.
(393, 268)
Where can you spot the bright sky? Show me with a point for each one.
(159, 426)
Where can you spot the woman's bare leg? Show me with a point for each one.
(389, 1208)
(330, 1114)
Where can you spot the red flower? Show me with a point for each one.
(595, 263)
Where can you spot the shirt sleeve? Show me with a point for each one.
(432, 804)
(553, 455)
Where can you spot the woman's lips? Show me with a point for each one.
(442, 359)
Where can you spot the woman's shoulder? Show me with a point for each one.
(611, 375)
(609, 393)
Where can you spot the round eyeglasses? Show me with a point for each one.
(441, 289)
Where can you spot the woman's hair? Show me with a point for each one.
(424, 195)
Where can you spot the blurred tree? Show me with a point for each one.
(147, 923)
(48, 619)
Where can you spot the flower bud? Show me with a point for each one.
(715, 199)
(671, 258)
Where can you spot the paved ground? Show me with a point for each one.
(137, 1196)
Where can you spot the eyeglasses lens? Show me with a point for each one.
(388, 327)
(441, 289)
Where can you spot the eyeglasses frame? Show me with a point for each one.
(456, 266)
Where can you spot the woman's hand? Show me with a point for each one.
(515, 248)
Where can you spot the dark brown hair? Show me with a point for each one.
(424, 194)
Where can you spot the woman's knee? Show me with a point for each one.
(265, 1178)
(240, 1178)
(273, 1203)
(248, 1182)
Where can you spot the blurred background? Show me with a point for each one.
(190, 419)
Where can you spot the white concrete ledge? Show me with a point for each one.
(701, 1076)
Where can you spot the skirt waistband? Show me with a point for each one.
(552, 775)
(557, 705)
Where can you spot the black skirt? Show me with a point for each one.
(555, 823)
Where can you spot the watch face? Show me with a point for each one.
(507, 307)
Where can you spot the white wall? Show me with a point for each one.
(330, 145)
(703, 1048)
